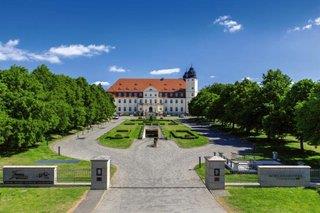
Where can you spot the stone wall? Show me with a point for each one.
(284, 175)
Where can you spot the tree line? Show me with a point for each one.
(34, 105)
(277, 106)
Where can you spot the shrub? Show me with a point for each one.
(188, 136)
(141, 132)
(118, 136)
(123, 130)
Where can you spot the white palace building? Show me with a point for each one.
(143, 96)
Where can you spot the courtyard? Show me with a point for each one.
(144, 173)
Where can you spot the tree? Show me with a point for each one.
(37, 104)
(200, 106)
(275, 85)
(299, 92)
(307, 117)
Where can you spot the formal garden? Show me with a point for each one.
(124, 134)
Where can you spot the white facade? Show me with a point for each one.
(152, 102)
(155, 96)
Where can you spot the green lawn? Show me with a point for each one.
(273, 199)
(229, 178)
(39, 199)
(245, 199)
(44, 199)
(127, 137)
(183, 142)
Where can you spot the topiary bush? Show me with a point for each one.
(118, 136)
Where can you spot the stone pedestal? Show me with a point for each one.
(100, 173)
(214, 177)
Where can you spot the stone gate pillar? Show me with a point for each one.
(100, 173)
(214, 177)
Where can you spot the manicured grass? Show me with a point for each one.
(183, 142)
(39, 199)
(124, 142)
(230, 178)
(244, 199)
(43, 152)
(44, 199)
(273, 199)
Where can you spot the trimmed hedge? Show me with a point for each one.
(189, 135)
(123, 130)
(141, 132)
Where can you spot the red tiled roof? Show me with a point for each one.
(140, 84)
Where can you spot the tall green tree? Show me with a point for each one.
(307, 117)
(299, 92)
(275, 85)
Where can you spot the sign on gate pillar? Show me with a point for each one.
(100, 173)
(214, 177)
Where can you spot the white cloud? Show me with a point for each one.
(307, 27)
(229, 25)
(311, 23)
(165, 71)
(103, 83)
(212, 76)
(115, 68)
(79, 50)
(10, 52)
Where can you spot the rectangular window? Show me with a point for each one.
(165, 101)
(150, 101)
(145, 100)
(129, 101)
(119, 101)
(176, 109)
(155, 101)
(171, 101)
(135, 109)
(135, 101)
(170, 109)
(181, 109)
(176, 101)
(140, 101)
(160, 101)
(124, 101)
(165, 109)
(129, 109)
(124, 109)
(119, 108)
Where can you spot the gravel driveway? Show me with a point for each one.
(151, 179)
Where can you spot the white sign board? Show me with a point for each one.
(284, 175)
(30, 175)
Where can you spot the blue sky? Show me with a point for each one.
(105, 40)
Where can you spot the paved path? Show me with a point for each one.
(151, 179)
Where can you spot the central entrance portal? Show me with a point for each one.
(150, 109)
